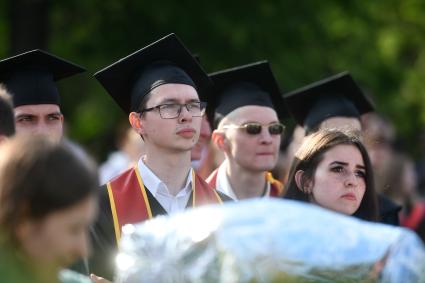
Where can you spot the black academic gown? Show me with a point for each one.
(388, 211)
(104, 243)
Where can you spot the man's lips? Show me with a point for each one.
(186, 132)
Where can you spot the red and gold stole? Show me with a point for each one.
(130, 204)
(276, 187)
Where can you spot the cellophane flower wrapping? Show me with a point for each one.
(267, 240)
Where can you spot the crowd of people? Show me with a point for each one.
(193, 139)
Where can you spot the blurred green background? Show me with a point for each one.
(382, 43)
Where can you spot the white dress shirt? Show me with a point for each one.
(223, 185)
(159, 190)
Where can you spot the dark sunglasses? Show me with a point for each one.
(256, 128)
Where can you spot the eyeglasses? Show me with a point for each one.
(173, 110)
(256, 128)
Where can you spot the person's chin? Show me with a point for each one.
(187, 146)
(348, 210)
(265, 162)
(261, 166)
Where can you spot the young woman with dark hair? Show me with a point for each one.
(332, 169)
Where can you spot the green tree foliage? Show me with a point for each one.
(380, 42)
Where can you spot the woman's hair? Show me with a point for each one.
(311, 153)
(39, 177)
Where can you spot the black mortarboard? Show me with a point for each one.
(30, 77)
(197, 58)
(251, 84)
(164, 61)
(338, 95)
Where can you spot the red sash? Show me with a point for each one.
(276, 187)
(130, 204)
(415, 217)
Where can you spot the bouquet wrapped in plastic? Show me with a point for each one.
(267, 240)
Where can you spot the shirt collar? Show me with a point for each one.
(223, 184)
(155, 185)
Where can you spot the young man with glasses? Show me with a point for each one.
(248, 113)
(163, 89)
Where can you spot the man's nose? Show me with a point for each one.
(184, 114)
(265, 136)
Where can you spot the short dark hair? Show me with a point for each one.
(39, 177)
(142, 106)
(7, 118)
(311, 153)
(144, 102)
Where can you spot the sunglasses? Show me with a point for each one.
(256, 128)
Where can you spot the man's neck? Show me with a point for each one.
(245, 184)
(172, 169)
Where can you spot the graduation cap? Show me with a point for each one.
(210, 111)
(197, 58)
(30, 77)
(251, 84)
(162, 62)
(335, 96)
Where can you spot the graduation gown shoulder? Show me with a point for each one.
(102, 234)
(103, 237)
(388, 211)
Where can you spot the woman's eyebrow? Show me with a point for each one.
(346, 164)
(339, 163)
(361, 166)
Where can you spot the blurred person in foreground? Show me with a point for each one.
(48, 200)
(249, 109)
(332, 169)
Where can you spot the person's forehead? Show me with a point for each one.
(79, 212)
(344, 153)
(254, 113)
(177, 92)
(37, 109)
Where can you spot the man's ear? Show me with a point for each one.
(220, 140)
(136, 122)
(303, 186)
